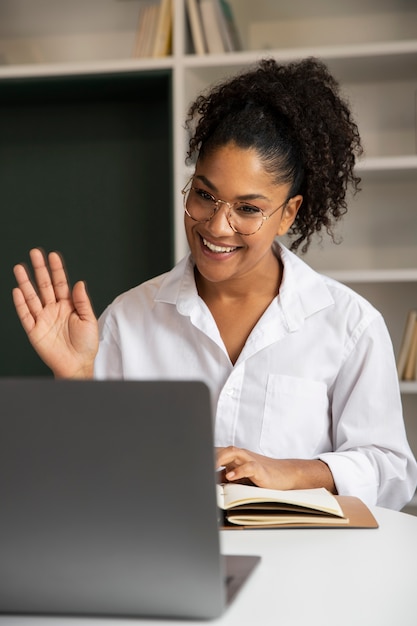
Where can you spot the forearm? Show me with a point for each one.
(272, 473)
(306, 474)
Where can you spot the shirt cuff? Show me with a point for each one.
(353, 475)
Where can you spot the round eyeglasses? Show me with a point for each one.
(243, 218)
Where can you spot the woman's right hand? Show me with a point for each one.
(60, 325)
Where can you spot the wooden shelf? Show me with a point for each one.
(87, 67)
(374, 276)
(407, 386)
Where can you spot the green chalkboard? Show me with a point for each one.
(85, 168)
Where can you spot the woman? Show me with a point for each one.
(301, 369)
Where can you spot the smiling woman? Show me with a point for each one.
(230, 262)
(300, 368)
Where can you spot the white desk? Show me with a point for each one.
(341, 577)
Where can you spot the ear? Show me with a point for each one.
(289, 214)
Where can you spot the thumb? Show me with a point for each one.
(82, 302)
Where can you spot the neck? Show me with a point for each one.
(262, 286)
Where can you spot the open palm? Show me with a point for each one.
(60, 325)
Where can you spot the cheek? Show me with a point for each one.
(268, 233)
(189, 229)
(187, 224)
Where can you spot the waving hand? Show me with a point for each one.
(60, 324)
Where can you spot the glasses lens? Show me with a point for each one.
(244, 219)
(199, 204)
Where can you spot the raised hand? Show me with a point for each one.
(60, 325)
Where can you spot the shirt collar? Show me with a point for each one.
(303, 291)
(178, 287)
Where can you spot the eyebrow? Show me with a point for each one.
(249, 196)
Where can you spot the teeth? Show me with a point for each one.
(214, 248)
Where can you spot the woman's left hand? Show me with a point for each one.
(243, 465)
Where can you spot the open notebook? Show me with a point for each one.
(95, 516)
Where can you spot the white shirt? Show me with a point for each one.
(316, 378)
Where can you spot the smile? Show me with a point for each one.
(214, 248)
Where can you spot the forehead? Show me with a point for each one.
(237, 171)
(232, 156)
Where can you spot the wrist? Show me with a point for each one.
(83, 373)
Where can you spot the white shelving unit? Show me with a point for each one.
(369, 45)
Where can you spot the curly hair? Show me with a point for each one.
(302, 129)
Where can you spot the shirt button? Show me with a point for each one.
(230, 391)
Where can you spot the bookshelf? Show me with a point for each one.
(370, 46)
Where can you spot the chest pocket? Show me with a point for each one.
(296, 420)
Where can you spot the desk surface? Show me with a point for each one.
(323, 577)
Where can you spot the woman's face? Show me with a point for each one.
(234, 174)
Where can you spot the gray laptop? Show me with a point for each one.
(107, 501)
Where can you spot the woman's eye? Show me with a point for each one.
(248, 210)
(204, 195)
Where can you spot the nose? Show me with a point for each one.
(219, 223)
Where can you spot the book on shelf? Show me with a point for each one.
(211, 27)
(407, 356)
(154, 29)
(228, 27)
(196, 27)
(410, 370)
(248, 506)
(219, 26)
(146, 28)
(163, 35)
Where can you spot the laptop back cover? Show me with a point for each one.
(108, 499)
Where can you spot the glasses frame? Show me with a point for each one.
(217, 201)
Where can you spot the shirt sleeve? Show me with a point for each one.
(108, 363)
(371, 457)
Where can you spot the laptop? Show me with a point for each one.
(108, 503)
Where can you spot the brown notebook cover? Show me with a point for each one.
(353, 508)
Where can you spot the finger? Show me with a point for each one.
(82, 302)
(27, 291)
(26, 318)
(245, 471)
(42, 277)
(59, 276)
(232, 455)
